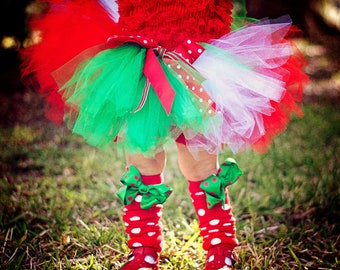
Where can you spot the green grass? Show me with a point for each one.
(59, 209)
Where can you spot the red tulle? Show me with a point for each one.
(64, 30)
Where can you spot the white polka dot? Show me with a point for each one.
(135, 218)
(126, 224)
(159, 214)
(214, 222)
(149, 259)
(178, 66)
(136, 230)
(203, 228)
(189, 51)
(199, 50)
(201, 100)
(189, 41)
(136, 244)
(228, 261)
(179, 76)
(150, 223)
(213, 231)
(209, 101)
(201, 110)
(187, 60)
(145, 41)
(201, 89)
(151, 234)
(138, 198)
(226, 207)
(169, 65)
(188, 77)
(201, 212)
(199, 193)
(131, 259)
(211, 258)
(193, 88)
(125, 209)
(229, 234)
(210, 111)
(226, 224)
(216, 241)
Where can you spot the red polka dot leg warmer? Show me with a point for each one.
(142, 225)
(217, 226)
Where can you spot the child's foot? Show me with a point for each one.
(219, 258)
(142, 258)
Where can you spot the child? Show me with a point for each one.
(138, 73)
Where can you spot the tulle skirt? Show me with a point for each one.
(239, 93)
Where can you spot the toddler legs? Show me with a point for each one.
(216, 220)
(142, 211)
(144, 193)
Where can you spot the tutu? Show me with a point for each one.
(134, 90)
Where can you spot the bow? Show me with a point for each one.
(214, 186)
(178, 60)
(133, 186)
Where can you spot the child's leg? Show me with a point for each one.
(217, 224)
(142, 219)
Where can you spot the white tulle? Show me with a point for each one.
(111, 6)
(240, 77)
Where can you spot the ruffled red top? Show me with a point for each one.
(170, 22)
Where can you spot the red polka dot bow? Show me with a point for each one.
(133, 186)
(179, 60)
(214, 186)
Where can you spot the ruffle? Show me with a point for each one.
(171, 22)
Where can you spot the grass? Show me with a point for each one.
(59, 209)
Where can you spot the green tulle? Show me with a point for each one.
(239, 14)
(104, 93)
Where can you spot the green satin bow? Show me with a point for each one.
(214, 186)
(133, 186)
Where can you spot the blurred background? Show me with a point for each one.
(318, 19)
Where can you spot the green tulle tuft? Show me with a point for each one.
(104, 93)
(239, 14)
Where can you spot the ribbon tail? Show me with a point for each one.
(153, 71)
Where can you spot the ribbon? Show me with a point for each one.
(133, 186)
(214, 186)
(179, 60)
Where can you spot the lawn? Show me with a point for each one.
(59, 209)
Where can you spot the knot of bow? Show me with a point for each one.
(214, 186)
(156, 56)
(133, 187)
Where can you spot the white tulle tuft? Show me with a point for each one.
(240, 71)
